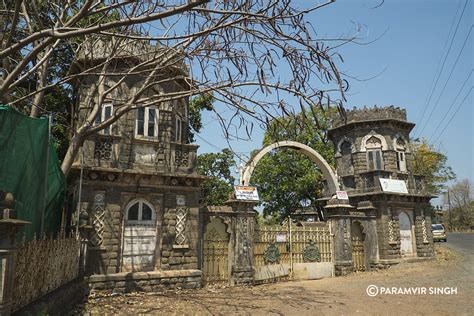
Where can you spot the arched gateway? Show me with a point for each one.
(328, 173)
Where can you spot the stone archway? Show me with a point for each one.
(327, 171)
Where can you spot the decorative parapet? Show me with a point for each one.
(370, 114)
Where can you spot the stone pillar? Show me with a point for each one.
(338, 215)
(243, 227)
(367, 210)
(9, 225)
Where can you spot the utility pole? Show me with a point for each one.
(449, 212)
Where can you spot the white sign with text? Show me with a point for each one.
(246, 193)
(392, 185)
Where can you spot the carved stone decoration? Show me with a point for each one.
(174, 181)
(181, 213)
(271, 254)
(311, 252)
(103, 149)
(98, 219)
(424, 231)
(391, 231)
(346, 236)
(213, 235)
(181, 158)
(244, 247)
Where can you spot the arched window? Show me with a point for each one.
(374, 153)
(140, 210)
(400, 148)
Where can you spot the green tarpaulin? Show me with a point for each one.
(29, 168)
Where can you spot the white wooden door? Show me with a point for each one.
(406, 242)
(139, 238)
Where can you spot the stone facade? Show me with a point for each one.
(373, 144)
(140, 192)
(239, 218)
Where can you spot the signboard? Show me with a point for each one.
(246, 193)
(392, 185)
(280, 237)
(342, 195)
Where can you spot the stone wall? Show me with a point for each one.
(423, 234)
(146, 281)
(388, 249)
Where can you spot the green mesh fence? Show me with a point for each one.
(31, 173)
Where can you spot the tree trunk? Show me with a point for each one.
(36, 109)
(76, 143)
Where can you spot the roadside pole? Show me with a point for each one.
(46, 174)
(291, 247)
(449, 213)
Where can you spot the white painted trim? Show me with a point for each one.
(146, 117)
(326, 169)
(102, 117)
(140, 209)
(369, 135)
(394, 142)
(178, 132)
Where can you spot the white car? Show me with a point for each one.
(439, 233)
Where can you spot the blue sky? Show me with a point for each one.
(411, 41)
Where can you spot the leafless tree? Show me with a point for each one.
(230, 48)
(461, 203)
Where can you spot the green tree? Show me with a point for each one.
(432, 165)
(288, 180)
(217, 166)
(202, 102)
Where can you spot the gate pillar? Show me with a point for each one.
(243, 227)
(9, 225)
(338, 213)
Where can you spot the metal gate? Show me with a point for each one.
(288, 245)
(358, 249)
(215, 268)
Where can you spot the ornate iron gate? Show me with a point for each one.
(215, 253)
(288, 245)
(358, 249)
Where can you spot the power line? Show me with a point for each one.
(447, 80)
(451, 106)
(454, 114)
(444, 62)
(440, 59)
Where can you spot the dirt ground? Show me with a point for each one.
(340, 296)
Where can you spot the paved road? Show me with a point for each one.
(462, 242)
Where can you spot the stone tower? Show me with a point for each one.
(140, 191)
(390, 212)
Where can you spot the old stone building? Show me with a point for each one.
(140, 192)
(381, 223)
